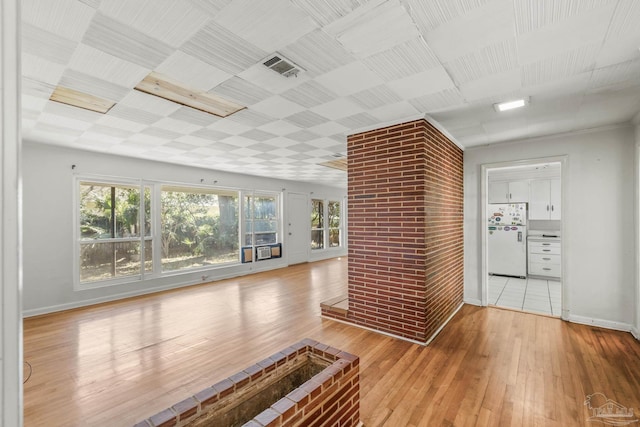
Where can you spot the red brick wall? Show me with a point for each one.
(404, 229)
(330, 398)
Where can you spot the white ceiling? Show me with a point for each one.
(366, 62)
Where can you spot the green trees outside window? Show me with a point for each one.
(114, 231)
(122, 225)
(199, 227)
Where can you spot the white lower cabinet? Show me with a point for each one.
(544, 259)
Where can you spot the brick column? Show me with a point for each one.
(405, 221)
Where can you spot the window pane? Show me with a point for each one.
(317, 214)
(317, 239)
(334, 237)
(261, 219)
(148, 256)
(199, 228)
(147, 211)
(109, 260)
(334, 214)
(108, 211)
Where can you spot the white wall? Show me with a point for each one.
(48, 222)
(598, 220)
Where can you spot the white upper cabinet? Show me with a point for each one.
(544, 199)
(508, 192)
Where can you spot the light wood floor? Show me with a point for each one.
(118, 363)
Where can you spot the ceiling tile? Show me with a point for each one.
(47, 45)
(122, 41)
(230, 127)
(493, 59)
(306, 119)
(224, 50)
(39, 73)
(251, 118)
(196, 117)
(68, 19)
(191, 71)
(149, 103)
(338, 108)
(492, 85)
(438, 101)
(393, 112)
(559, 66)
(278, 107)
(616, 76)
(375, 97)
(357, 121)
(134, 114)
(380, 27)
(349, 79)
(210, 7)
(309, 94)
(176, 125)
(326, 11)
(210, 134)
(279, 127)
(482, 26)
(172, 22)
(328, 129)
(241, 91)
(532, 15)
(120, 123)
(317, 52)
(93, 86)
(97, 63)
(268, 24)
(424, 83)
(302, 136)
(433, 13)
(588, 28)
(403, 60)
(258, 135)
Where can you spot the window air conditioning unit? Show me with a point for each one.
(264, 252)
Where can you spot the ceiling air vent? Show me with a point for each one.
(282, 65)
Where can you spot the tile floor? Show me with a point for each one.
(535, 295)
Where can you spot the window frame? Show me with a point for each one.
(278, 218)
(326, 226)
(142, 238)
(155, 189)
(187, 186)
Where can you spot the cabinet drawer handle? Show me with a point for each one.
(547, 208)
(546, 269)
(547, 259)
(546, 244)
(546, 250)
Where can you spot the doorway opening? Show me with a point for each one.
(522, 206)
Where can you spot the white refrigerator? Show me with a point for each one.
(507, 236)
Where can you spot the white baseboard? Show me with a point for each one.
(473, 301)
(150, 290)
(607, 324)
(636, 333)
(398, 336)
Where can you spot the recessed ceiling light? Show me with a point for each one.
(510, 105)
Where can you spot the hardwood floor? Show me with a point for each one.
(117, 363)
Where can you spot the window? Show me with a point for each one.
(335, 224)
(130, 230)
(317, 224)
(199, 227)
(114, 231)
(331, 228)
(261, 220)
